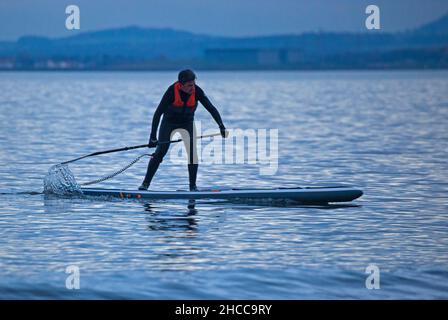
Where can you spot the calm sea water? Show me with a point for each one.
(385, 132)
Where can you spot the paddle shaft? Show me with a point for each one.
(135, 147)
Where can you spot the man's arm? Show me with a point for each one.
(204, 100)
(159, 111)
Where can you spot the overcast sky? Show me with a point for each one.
(224, 17)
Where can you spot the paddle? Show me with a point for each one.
(135, 147)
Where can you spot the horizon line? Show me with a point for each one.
(319, 31)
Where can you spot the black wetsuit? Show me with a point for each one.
(178, 118)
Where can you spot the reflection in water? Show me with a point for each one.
(57, 204)
(245, 204)
(175, 221)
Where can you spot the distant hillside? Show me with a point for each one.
(438, 27)
(125, 42)
(138, 48)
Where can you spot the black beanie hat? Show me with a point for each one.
(186, 75)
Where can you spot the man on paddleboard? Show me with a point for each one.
(178, 106)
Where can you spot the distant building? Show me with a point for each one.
(6, 64)
(254, 57)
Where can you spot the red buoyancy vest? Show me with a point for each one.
(178, 101)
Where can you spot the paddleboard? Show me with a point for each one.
(301, 194)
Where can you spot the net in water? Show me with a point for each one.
(60, 180)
